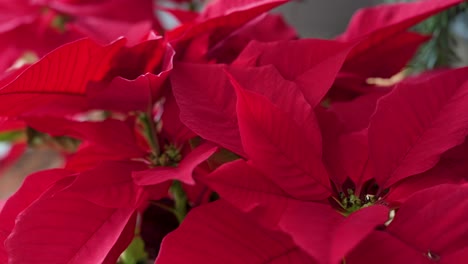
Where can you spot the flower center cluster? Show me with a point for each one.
(351, 202)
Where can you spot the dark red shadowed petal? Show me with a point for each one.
(386, 58)
(122, 95)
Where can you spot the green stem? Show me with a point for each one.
(180, 200)
(150, 133)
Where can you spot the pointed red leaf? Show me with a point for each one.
(246, 188)
(447, 171)
(391, 18)
(32, 188)
(284, 94)
(356, 227)
(424, 230)
(378, 247)
(311, 226)
(65, 71)
(218, 233)
(207, 105)
(324, 233)
(385, 58)
(183, 172)
(311, 63)
(109, 184)
(223, 16)
(219, 8)
(279, 147)
(82, 232)
(265, 28)
(381, 35)
(417, 122)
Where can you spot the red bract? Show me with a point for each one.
(218, 233)
(424, 230)
(54, 23)
(218, 35)
(408, 135)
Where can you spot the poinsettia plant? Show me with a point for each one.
(228, 139)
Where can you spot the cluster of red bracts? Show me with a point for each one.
(313, 159)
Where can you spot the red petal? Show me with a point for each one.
(386, 58)
(280, 147)
(356, 114)
(284, 94)
(65, 71)
(379, 247)
(445, 172)
(217, 233)
(224, 16)
(312, 63)
(354, 151)
(32, 188)
(207, 105)
(409, 132)
(244, 187)
(311, 227)
(266, 28)
(82, 231)
(423, 229)
(183, 172)
(123, 95)
(220, 8)
(355, 228)
(391, 18)
(109, 185)
(382, 37)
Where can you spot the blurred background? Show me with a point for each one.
(321, 19)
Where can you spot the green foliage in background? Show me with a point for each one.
(439, 51)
